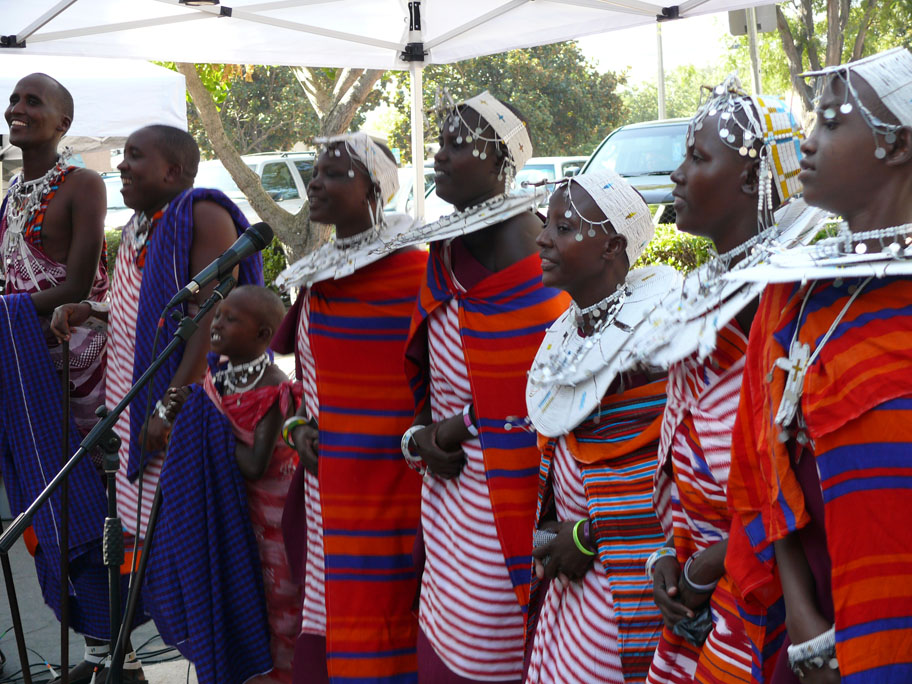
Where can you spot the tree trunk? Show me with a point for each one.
(794, 60)
(292, 230)
(866, 19)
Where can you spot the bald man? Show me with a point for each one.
(51, 246)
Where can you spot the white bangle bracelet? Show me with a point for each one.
(97, 307)
(414, 461)
(699, 588)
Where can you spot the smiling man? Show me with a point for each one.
(51, 241)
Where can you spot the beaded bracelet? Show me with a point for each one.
(289, 426)
(162, 412)
(414, 461)
(467, 420)
(818, 647)
(654, 558)
(576, 540)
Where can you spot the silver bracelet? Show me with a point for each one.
(654, 558)
(162, 412)
(699, 588)
(414, 461)
(97, 307)
(818, 646)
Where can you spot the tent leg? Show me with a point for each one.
(415, 71)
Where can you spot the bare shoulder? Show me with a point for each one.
(273, 376)
(85, 186)
(212, 221)
(526, 222)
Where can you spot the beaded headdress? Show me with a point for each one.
(890, 76)
(363, 150)
(508, 129)
(758, 126)
(622, 206)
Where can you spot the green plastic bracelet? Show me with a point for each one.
(576, 540)
(290, 425)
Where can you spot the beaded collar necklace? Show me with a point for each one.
(487, 213)
(562, 362)
(236, 379)
(25, 199)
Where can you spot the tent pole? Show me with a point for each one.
(415, 70)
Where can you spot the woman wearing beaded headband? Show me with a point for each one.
(481, 314)
(741, 163)
(825, 399)
(347, 330)
(598, 431)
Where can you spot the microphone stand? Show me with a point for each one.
(101, 432)
(184, 332)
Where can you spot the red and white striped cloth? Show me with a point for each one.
(690, 501)
(314, 610)
(576, 638)
(469, 610)
(119, 379)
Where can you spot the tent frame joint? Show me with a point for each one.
(669, 13)
(225, 11)
(11, 42)
(413, 52)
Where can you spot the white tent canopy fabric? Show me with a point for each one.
(113, 97)
(329, 33)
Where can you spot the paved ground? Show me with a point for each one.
(42, 633)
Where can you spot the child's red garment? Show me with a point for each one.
(266, 500)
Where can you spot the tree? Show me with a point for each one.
(335, 96)
(819, 33)
(682, 93)
(569, 105)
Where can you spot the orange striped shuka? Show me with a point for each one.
(370, 499)
(502, 320)
(616, 451)
(856, 405)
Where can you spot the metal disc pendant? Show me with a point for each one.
(861, 248)
(474, 153)
(723, 133)
(469, 138)
(846, 108)
(743, 151)
(890, 138)
(459, 140)
(568, 214)
(579, 237)
(338, 152)
(351, 173)
(483, 155)
(880, 153)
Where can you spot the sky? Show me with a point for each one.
(635, 49)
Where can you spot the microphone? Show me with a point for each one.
(252, 240)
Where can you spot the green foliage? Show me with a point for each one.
(112, 244)
(274, 262)
(682, 93)
(569, 105)
(676, 249)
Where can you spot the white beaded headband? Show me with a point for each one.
(890, 76)
(361, 148)
(622, 206)
(508, 129)
(756, 126)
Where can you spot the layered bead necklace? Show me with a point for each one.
(243, 377)
(563, 363)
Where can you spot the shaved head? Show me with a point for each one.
(177, 147)
(262, 303)
(61, 95)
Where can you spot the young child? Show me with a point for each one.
(256, 396)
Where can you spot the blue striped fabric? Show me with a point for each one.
(30, 456)
(168, 257)
(205, 582)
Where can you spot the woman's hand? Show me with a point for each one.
(156, 434)
(443, 462)
(567, 563)
(69, 316)
(174, 401)
(306, 439)
(666, 575)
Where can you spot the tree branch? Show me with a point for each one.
(794, 59)
(863, 26)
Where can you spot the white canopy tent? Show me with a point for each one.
(113, 97)
(380, 34)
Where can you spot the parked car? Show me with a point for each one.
(403, 200)
(645, 154)
(538, 169)
(118, 214)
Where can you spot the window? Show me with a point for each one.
(278, 182)
(305, 167)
